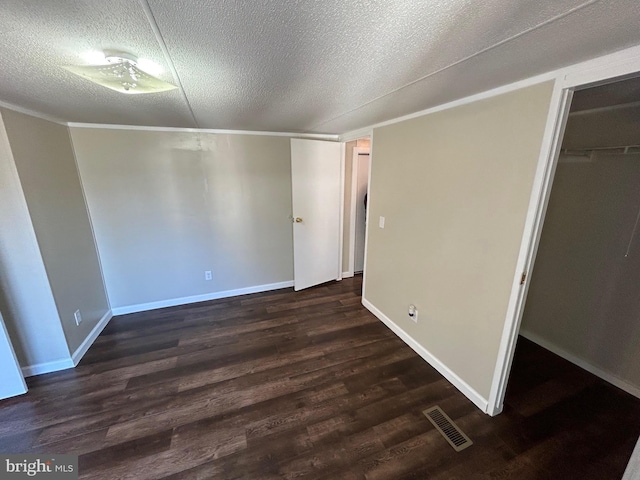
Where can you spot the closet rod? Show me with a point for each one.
(622, 148)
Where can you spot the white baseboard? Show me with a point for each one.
(84, 346)
(47, 367)
(582, 363)
(350, 274)
(66, 363)
(481, 402)
(143, 307)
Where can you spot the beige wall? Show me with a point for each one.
(454, 187)
(584, 297)
(26, 301)
(167, 206)
(46, 166)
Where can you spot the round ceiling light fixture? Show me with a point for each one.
(122, 74)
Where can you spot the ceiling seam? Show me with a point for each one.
(167, 56)
(147, 128)
(469, 57)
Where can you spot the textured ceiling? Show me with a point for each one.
(300, 66)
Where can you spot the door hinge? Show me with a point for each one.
(523, 278)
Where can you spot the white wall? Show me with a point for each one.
(47, 170)
(584, 297)
(167, 206)
(454, 187)
(26, 300)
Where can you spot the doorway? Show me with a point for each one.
(357, 162)
(329, 193)
(359, 199)
(583, 301)
(592, 73)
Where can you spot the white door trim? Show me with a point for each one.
(595, 71)
(354, 191)
(343, 148)
(368, 212)
(552, 139)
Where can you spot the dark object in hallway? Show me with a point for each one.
(311, 385)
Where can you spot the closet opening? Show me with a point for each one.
(583, 299)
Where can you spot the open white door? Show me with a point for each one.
(11, 380)
(316, 177)
(633, 467)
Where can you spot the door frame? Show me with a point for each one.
(601, 70)
(343, 149)
(352, 224)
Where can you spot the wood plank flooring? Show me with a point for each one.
(285, 385)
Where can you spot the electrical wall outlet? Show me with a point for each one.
(413, 313)
(208, 275)
(78, 317)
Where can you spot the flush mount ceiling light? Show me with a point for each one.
(122, 74)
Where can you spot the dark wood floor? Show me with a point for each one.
(306, 385)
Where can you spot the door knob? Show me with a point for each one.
(298, 220)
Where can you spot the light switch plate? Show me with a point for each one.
(381, 222)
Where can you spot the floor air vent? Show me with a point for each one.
(449, 430)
